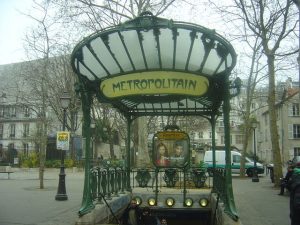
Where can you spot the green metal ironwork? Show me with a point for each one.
(171, 177)
(199, 177)
(86, 98)
(143, 177)
(230, 207)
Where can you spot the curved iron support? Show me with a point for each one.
(87, 202)
(230, 207)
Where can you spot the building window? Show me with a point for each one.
(294, 131)
(222, 140)
(294, 109)
(25, 149)
(239, 139)
(13, 111)
(296, 151)
(12, 130)
(2, 111)
(210, 134)
(25, 130)
(201, 134)
(26, 111)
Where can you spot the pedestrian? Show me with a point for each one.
(132, 214)
(163, 221)
(295, 196)
(286, 180)
(148, 218)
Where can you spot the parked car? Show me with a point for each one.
(235, 162)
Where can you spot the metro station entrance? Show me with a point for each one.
(151, 66)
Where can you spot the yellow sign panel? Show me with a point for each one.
(155, 82)
(172, 135)
(62, 140)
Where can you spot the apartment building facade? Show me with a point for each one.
(17, 127)
(288, 124)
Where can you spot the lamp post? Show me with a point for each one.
(61, 190)
(255, 176)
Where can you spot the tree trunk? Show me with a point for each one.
(245, 145)
(143, 157)
(273, 125)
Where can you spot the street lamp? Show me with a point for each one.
(61, 190)
(255, 176)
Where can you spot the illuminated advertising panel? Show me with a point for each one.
(170, 149)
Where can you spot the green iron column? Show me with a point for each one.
(230, 207)
(87, 202)
(128, 154)
(213, 140)
(213, 144)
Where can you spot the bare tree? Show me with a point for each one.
(269, 25)
(272, 22)
(47, 77)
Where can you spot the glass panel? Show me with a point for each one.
(84, 71)
(221, 68)
(197, 55)
(211, 63)
(182, 48)
(166, 48)
(150, 47)
(91, 62)
(229, 61)
(105, 56)
(132, 42)
(117, 48)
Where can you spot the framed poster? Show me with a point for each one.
(170, 149)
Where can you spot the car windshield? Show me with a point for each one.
(249, 160)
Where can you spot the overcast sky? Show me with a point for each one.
(12, 29)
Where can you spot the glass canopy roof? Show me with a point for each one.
(155, 66)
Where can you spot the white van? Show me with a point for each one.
(235, 162)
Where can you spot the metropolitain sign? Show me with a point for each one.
(153, 83)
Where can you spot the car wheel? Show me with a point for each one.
(249, 172)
